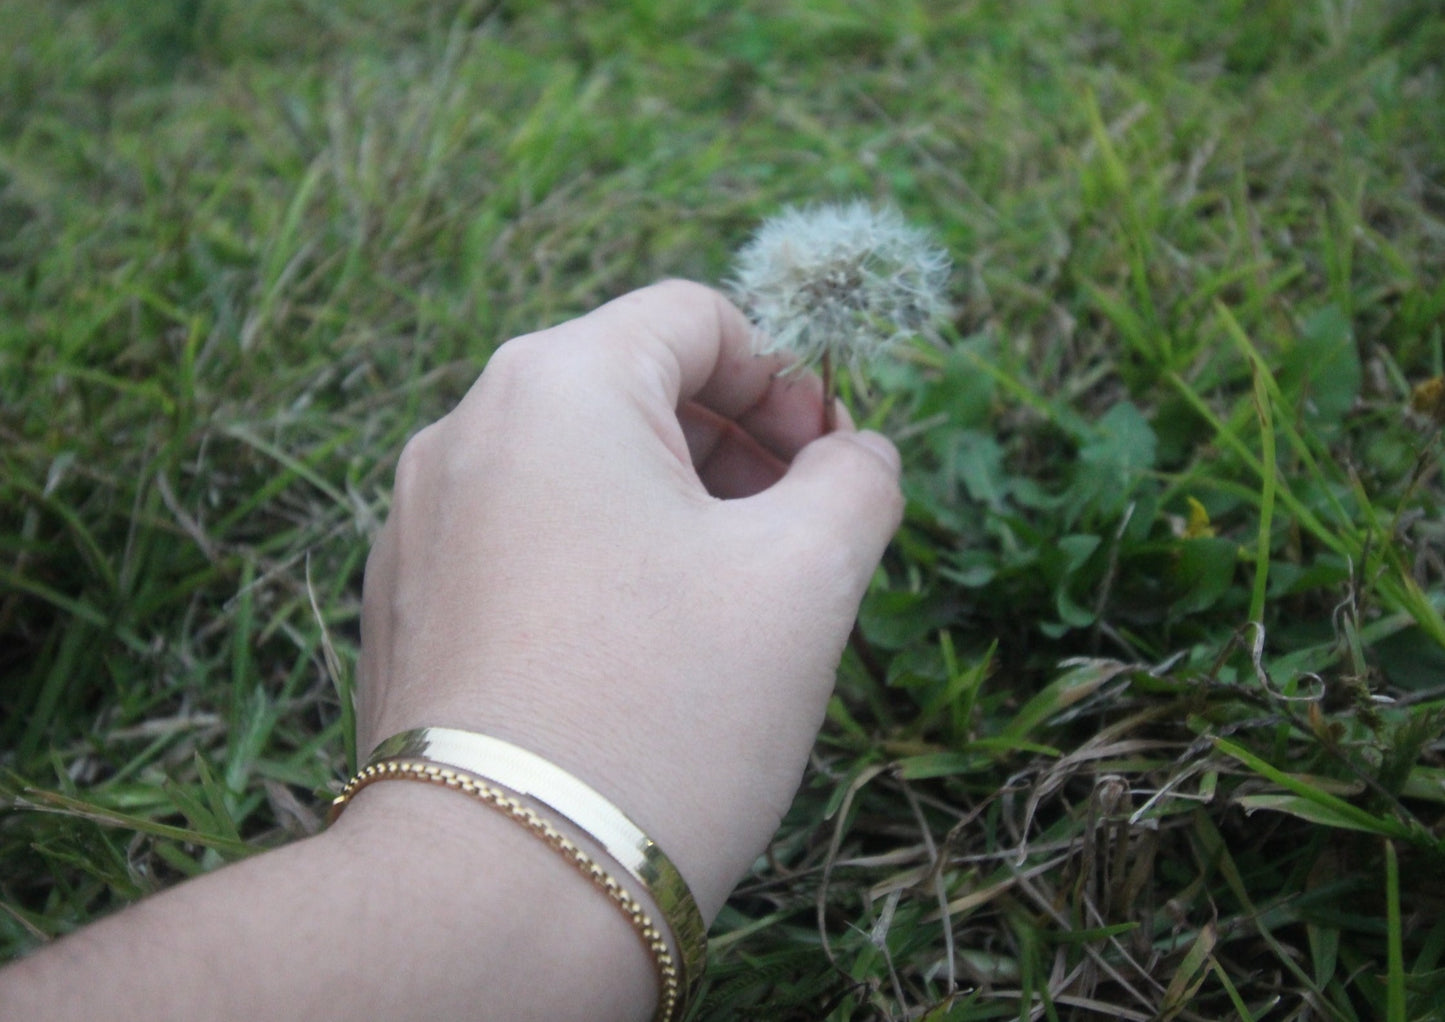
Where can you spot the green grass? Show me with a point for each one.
(1155, 722)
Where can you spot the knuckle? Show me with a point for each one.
(514, 359)
(536, 364)
(414, 463)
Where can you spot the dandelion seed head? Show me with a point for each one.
(847, 280)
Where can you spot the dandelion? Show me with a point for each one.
(839, 285)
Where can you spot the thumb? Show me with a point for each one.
(841, 494)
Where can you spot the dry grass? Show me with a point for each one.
(246, 249)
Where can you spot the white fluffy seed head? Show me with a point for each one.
(848, 280)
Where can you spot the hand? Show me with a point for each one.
(630, 550)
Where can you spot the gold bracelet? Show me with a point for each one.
(496, 773)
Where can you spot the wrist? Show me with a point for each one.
(652, 787)
(500, 923)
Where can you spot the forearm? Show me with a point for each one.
(416, 905)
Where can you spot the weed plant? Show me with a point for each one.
(1148, 719)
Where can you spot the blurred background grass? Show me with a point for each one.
(1193, 383)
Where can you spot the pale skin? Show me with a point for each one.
(628, 549)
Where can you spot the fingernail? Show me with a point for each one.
(881, 446)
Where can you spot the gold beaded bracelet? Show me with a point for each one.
(504, 776)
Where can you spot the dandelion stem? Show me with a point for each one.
(830, 396)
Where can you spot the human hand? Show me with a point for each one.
(630, 550)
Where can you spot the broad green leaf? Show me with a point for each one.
(1321, 372)
(1203, 571)
(1121, 447)
(975, 460)
(962, 393)
(896, 619)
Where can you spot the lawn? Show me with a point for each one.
(1148, 719)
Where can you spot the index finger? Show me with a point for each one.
(700, 343)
